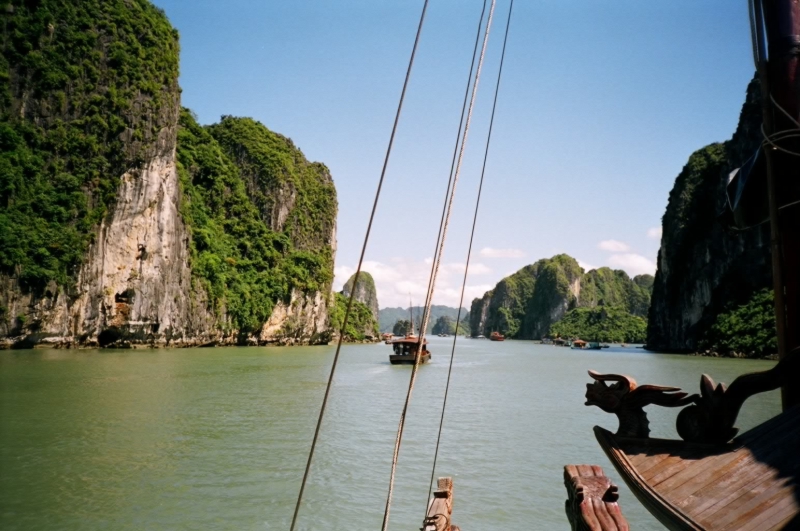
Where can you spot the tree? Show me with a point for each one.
(401, 328)
(444, 325)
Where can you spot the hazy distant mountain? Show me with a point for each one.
(387, 317)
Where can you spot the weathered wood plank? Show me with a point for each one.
(592, 500)
(440, 508)
(774, 518)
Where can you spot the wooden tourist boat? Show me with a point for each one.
(713, 479)
(405, 350)
(578, 344)
(497, 336)
(706, 481)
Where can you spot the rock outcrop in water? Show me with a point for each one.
(365, 291)
(126, 222)
(362, 325)
(525, 305)
(705, 268)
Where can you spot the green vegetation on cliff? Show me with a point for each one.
(608, 287)
(402, 327)
(294, 196)
(85, 89)
(745, 330)
(365, 291)
(706, 270)
(361, 324)
(243, 264)
(525, 305)
(444, 325)
(606, 323)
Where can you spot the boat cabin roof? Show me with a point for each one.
(410, 339)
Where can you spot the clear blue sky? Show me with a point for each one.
(602, 102)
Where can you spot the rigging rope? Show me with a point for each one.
(469, 250)
(429, 293)
(358, 269)
(435, 272)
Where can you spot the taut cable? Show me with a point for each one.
(469, 253)
(435, 272)
(358, 270)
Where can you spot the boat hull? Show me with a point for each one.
(748, 483)
(408, 359)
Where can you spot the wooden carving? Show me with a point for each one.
(711, 419)
(592, 500)
(627, 401)
(440, 508)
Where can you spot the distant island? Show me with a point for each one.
(388, 317)
(555, 297)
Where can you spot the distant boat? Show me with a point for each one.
(404, 350)
(605, 345)
(497, 336)
(593, 346)
(480, 337)
(578, 344)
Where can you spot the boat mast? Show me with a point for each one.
(411, 311)
(780, 100)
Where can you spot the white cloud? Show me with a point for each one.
(585, 266)
(633, 264)
(400, 279)
(654, 233)
(614, 246)
(489, 252)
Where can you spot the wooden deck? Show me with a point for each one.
(748, 484)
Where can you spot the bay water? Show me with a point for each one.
(217, 438)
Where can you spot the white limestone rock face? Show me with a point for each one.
(303, 321)
(136, 279)
(136, 287)
(137, 275)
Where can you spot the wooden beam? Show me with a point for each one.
(592, 500)
(440, 508)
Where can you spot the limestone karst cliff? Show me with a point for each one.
(526, 304)
(704, 267)
(362, 325)
(365, 291)
(126, 222)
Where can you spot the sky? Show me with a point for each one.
(601, 103)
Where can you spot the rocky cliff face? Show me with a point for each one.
(365, 291)
(109, 238)
(526, 304)
(703, 266)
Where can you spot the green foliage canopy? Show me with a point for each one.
(605, 323)
(244, 265)
(85, 89)
(360, 324)
(402, 327)
(747, 329)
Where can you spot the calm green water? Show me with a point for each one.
(217, 438)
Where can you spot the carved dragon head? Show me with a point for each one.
(627, 400)
(608, 397)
